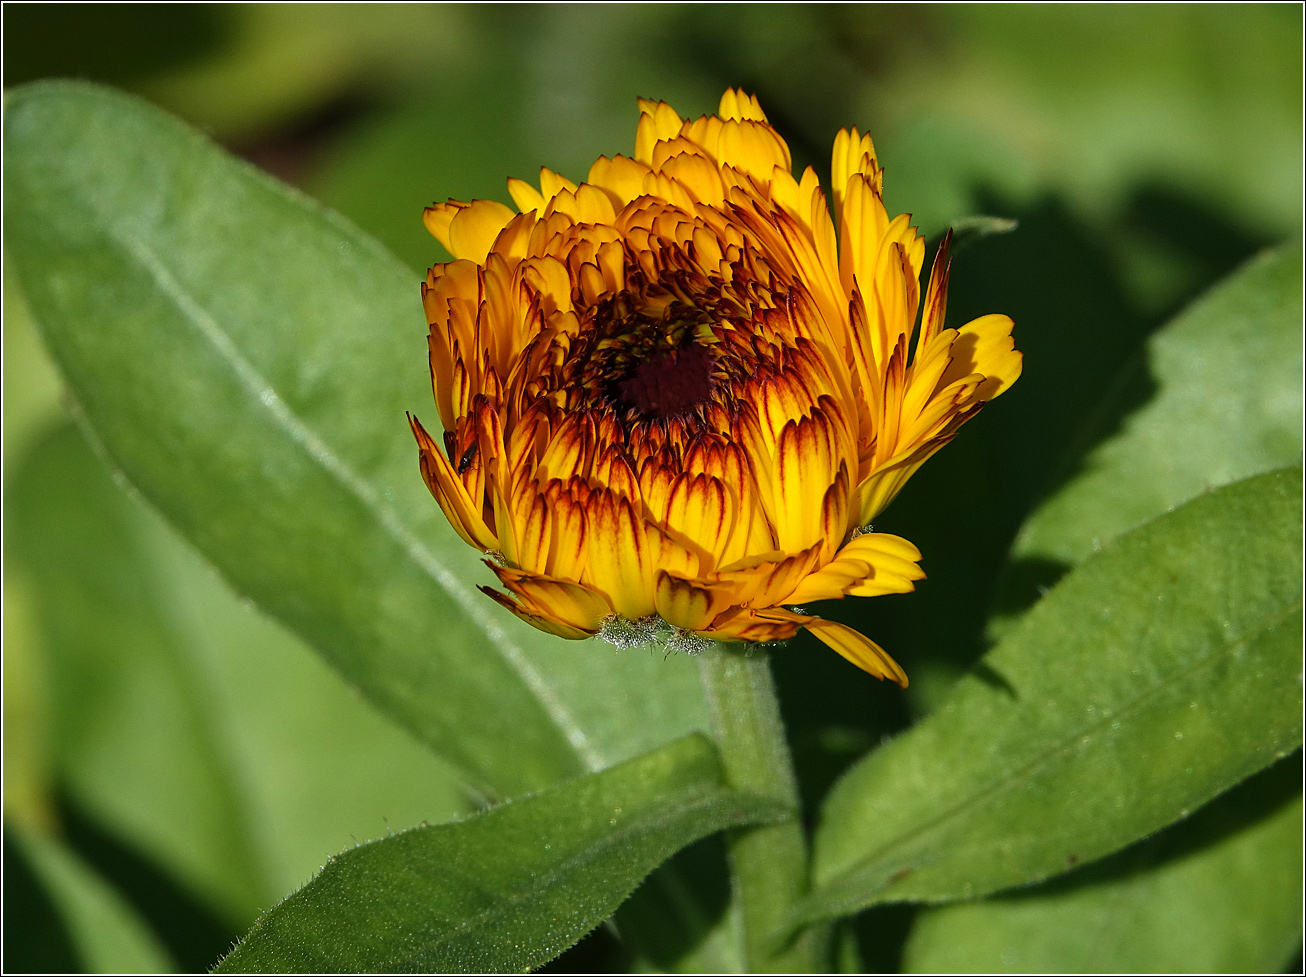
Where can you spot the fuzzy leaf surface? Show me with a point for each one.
(503, 891)
(1228, 879)
(1156, 675)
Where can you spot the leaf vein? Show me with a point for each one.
(259, 387)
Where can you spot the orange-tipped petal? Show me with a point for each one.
(858, 649)
(735, 105)
(449, 492)
(438, 217)
(688, 604)
(678, 388)
(562, 602)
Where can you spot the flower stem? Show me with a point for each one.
(769, 863)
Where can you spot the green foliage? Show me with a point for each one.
(106, 934)
(1153, 677)
(241, 359)
(283, 364)
(1236, 865)
(1227, 405)
(109, 646)
(506, 890)
(255, 762)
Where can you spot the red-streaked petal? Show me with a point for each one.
(620, 564)
(463, 514)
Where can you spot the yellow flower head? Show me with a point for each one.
(678, 391)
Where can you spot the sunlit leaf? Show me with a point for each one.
(132, 743)
(1156, 675)
(506, 890)
(1089, 101)
(246, 358)
(1218, 893)
(256, 763)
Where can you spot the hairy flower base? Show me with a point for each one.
(678, 391)
(651, 630)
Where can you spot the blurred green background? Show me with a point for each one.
(174, 761)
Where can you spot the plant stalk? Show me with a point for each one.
(769, 863)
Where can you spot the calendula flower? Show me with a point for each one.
(679, 391)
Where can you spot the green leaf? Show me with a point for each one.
(685, 919)
(105, 931)
(316, 766)
(506, 890)
(1227, 376)
(1156, 675)
(28, 765)
(1228, 879)
(31, 387)
(1088, 103)
(257, 763)
(246, 358)
(112, 656)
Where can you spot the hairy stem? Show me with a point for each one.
(769, 863)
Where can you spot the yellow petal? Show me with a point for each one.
(771, 581)
(619, 557)
(698, 175)
(698, 508)
(743, 624)
(437, 218)
(463, 514)
(675, 552)
(862, 226)
(688, 604)
(853, 154)
(620, 176)
(525, 196)
(548, 278)
(870, 565)
(858, 649)
(474, 228)
(804, 470)
(551, 184)
(585, 205)
(705, 131)
(736, 105)
(562, 601)
(936, 295)
(984, 346)
(544, 623)
(753, 148)
(657, 121)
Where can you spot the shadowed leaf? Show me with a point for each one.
(1156, 675)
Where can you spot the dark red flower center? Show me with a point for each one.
(669, 383)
